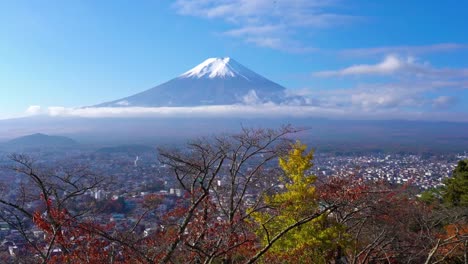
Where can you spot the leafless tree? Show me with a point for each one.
(39, 187)
(233, 172)
(226, 179)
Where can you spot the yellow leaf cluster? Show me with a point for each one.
(296, 202)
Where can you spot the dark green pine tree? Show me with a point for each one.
(455, 191)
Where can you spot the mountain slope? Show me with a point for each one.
(216, 81)
(39, 140)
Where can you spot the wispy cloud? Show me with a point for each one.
(389, 65)
(443, 102)
(394, 83)
(371, 97)
(407, 50)
(34, 110)
(399, 66)
(267, 23)
(249, 31)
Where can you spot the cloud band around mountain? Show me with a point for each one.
(253, 111)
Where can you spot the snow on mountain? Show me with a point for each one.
(219, 68)
(216, 81)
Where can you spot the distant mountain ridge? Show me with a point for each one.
(216, 81)
(321, 133)
(39, 140)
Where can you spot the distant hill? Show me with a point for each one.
(323, 134)
(39, 140)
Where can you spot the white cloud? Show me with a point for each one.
(408, 50)
(361, 106)
(391, 64)
(251, 98)
(123, 103)
(259, 110)
(267, 23)
(412, 95)
(34, 110)
(443, 102)
(385, 99)
(408, 67)
(407, 83)
(253, 30)
(252, 111)
(253, 10)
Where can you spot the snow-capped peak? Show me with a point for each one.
(216, 81)
(218, 68)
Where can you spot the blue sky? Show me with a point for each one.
(395, 58)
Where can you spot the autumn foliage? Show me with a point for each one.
(269, 209)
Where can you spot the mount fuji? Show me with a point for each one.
(216, 81)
